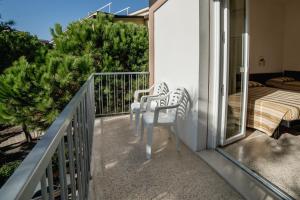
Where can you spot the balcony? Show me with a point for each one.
(90, 152)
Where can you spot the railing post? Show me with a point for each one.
(62, 170)
(44, 187)
(55, 162)
(115, 91)
(50, 181)
(78, 154)
(71, 160)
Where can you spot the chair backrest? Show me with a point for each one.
(179, 96)
(175, 97)
(161, 89)
(185, 105)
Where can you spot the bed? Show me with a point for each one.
(286, 83)
(268, 107)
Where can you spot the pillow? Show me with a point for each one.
(282, 79)
(255, 84)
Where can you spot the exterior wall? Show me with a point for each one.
(187, 54)
(292, 36)
(176, 57)
(140, 21)
(204, 71)
(266, 35)
(214, 74)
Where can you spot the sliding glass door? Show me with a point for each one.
(234, 70)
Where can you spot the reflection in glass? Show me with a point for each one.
(236, 69)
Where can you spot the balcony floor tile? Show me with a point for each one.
(121, 171)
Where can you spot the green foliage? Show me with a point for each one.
(14, 44)
(34, 90)
(35, 95)
(7, 170)
(114, 46)
(6, 25)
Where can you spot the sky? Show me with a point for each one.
(38, 16)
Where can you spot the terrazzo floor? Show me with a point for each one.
(121, 171)
(276, 160)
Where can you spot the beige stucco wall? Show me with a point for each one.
(292, 36)
(266, 35)
(140, 21)
(274, 35)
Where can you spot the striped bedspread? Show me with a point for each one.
(267, 107)
(288, 85)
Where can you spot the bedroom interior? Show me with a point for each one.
(271, 147)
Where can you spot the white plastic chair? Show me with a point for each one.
(138, 107)
(177, 106)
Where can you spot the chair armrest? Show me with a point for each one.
(158, 97)
(144, 99)
(155, 98)
(137, 92)
(160, 108)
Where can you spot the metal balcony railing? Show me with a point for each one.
(114, 91)
(58, 167)
(59, 164)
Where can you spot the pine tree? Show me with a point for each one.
(33, 96)
(114, 46)
(6, 25)
(34, 91)
(14, 44)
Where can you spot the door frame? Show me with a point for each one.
(215, 102)
(224, 72)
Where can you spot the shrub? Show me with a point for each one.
(7, 170)
(14, 44)
(114, 46)
(32, 94)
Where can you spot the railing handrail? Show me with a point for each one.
(120, 73)
(24, 181)
(22, 184)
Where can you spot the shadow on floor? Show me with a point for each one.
(276, 160)
(120, 169)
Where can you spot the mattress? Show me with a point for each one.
(267, 107)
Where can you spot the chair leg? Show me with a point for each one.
(131, 116)
(149, 141)
(177, 138)
(137, 122)
(142, 128)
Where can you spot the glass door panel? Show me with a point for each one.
(235, 71)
